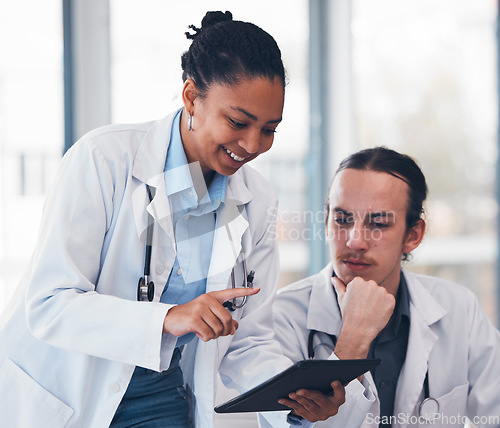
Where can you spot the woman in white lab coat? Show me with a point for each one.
(76, 347)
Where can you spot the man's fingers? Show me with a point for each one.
(310, 400)
(314, 405)
(340, 287)
(232, 293)
(297, 409)
(338, 391)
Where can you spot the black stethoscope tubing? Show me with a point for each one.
(146, 288)
(428, 401)
(310, 348)
(247, 283)
(431, 403)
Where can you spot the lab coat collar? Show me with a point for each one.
(425, 311)
(422, 300)
(230, 238)
(324, 315)
(150, 159)
(237, 189)
(149, 166)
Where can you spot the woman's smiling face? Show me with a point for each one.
(231, 124)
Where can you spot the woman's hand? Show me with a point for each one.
(314, 405)
(205, 316)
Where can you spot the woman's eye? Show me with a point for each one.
(268, 131)
(236, 124)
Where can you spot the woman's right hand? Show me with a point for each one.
(205, 316)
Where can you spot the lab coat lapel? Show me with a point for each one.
(324, 301)
(424, 312)
(148, 167)
(159, 208)
(231, 243)
(152, 152)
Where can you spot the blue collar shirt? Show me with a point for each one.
(194, 221)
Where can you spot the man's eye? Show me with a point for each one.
(343, 220)
(379, 225)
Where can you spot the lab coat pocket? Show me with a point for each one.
(452, 408)
(25, 403)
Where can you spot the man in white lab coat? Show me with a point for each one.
(440, 354)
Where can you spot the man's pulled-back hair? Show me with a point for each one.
(224, 51)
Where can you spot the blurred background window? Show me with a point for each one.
(147, 41)
(424, 83)
(417, 76)
(31, 126)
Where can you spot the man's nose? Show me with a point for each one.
(358, 239)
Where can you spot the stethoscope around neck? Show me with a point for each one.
(146, 288)
(310, 347)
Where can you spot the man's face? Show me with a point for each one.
(366, 227)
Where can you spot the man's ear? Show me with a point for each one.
(189, 95)
(414, 236)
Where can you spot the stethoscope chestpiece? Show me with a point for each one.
(247, 283)
(429, 409)
(145, 292)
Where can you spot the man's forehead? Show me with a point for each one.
(368, 192)
(365, 213)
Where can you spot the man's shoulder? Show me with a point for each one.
(301, 286)
(292, 301)
(300, 291)
(446, 292)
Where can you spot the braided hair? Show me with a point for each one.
(224, 51)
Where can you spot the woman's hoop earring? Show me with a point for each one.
(190, 121)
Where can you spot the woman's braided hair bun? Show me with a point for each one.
(225, 51)
(211, 18)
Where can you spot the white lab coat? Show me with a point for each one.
(449, 333)
(71, 337)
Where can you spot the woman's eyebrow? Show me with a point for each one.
(252, 116)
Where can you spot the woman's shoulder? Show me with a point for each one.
(116, 136)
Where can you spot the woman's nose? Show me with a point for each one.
(250, 142)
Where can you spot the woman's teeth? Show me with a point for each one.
(236, 158)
